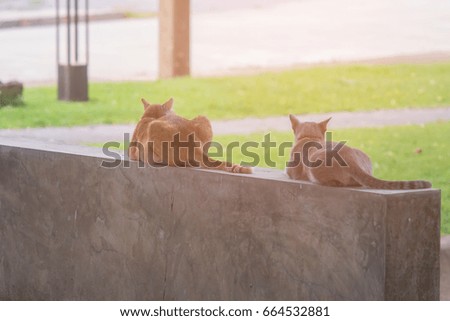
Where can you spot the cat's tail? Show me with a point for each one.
(367, 180)
(210, 163)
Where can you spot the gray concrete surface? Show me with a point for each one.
(71, 229)
(277, 34)
(105, 133)
(445, 268)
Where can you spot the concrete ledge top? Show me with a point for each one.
(259, 173)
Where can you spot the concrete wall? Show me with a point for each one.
(73, 230)
(445, 268)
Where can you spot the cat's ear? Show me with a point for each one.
(145, 103)
(323, 124)
(294, 121)
(168, 104)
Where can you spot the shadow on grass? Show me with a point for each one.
(15, 103)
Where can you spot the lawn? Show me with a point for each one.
(312, 90)
(393, 151)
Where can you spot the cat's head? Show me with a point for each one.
(310, 130)
(157, 110)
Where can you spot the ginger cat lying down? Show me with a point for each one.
(351, 168)
(160, 135)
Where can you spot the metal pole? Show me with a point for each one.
(87, 31)
(76, 31)
(68, 33)
(57, 31)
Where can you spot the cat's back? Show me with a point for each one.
(173, 119)
(342, 154)
(170, 123)
(142, 127)
(187, 125)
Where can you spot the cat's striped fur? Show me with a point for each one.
(355, 170)
(159, 125)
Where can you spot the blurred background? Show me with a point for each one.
(228, 36)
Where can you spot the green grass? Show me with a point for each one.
(392, 150)
(140, 15)
(313, 90)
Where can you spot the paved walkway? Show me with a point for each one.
(275, 34)
(104, 133)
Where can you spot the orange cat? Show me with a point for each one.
(162, 137)
(345, 166)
